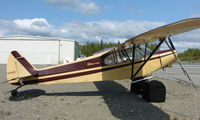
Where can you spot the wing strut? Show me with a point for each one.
(131, 61)
(145, 61)
(145, 52)
(179, 62)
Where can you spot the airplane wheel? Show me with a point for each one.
(13, 93)
(137, 88)
(154, 91)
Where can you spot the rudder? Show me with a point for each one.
(18, 67)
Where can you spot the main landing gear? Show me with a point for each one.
(151, 91)
(14, 92)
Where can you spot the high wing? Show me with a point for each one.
(162, 32)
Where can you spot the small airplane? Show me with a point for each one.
(129, 60)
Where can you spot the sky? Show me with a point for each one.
(93, 20)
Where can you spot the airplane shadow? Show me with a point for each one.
(121, 103)
(128, 106)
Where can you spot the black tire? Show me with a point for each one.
(137, 88)
(154, 91)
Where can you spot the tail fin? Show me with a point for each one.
(18, 67)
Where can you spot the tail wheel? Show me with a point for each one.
(13, 93)
(154, 91)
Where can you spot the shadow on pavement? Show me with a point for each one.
(127, 106)
(121, 103)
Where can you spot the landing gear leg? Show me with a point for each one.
(14, 92)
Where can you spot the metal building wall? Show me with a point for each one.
(37, 50)
(66, 51)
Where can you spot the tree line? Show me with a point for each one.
(190, 55)
(90, 48)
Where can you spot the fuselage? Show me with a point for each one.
(98, 68)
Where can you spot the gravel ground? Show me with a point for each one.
(109, 100)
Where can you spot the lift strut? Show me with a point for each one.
(179, 62)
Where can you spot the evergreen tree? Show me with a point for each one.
(190, 55)
(90, 47)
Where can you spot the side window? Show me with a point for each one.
(119, 57)
(109, 59)
(139, 53)
(142, 48)
(115, 58)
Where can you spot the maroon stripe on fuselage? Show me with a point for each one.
(163, 51)
(73, 75)
(24, 62)
(71, 67)
(69, 76)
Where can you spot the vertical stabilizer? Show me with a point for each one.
(18, 67)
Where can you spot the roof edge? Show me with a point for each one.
(33, 38)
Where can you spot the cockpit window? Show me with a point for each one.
(115, 58)
(142, 48)
(120, 57)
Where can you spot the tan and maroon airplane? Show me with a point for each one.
(130, 60)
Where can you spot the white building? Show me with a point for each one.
(39, 50)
